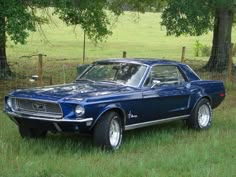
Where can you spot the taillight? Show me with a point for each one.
(222, 95)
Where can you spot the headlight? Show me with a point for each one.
(79, 110)
(9, 102)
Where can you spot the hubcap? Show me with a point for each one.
(204, 115)
(114, 133)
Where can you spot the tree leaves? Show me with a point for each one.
(20, 17)
(193, 17)
(18, 20)
(90, 15)
(187, 17)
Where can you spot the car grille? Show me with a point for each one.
(37, 108)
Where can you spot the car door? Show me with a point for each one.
(165, 93)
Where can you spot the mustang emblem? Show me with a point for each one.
(132, 116)
(39, 106)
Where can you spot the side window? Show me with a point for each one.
(165, 74)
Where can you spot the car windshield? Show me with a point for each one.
(118, 73)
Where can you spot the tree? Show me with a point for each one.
(193, 17)
(196, 17)
(15, 21)
(19, 17)
(89, 14)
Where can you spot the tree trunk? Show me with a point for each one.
(4, 67)
(221, 40)
(2, 40)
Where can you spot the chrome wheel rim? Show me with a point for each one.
(204, 115)
(114, 133)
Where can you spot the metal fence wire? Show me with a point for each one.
(26, 72)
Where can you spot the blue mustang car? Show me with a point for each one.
(115, 95)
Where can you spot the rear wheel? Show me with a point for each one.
(26, 132)
(108, 131)
(201, 116)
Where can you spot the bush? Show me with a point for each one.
(205, 51)
(196, 48)
(234, 50)
(201, 50)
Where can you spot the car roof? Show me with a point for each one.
(146, 61)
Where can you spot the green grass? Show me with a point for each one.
(164, 150)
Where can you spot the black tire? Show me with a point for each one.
(107, 133)
(26, 132)
(201, 117)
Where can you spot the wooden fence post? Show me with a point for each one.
(124, 54)
(183, 54)
(84, 47)
(40, 70)
(50, 80)
(230, 63)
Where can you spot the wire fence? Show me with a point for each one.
(38, 70)
(27, 73)
(199, 66)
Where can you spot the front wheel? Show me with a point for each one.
(26, 132)
(201, 116)
(108, 131)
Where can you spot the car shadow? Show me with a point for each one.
(75, 143)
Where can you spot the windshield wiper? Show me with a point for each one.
(112, 82)
(86, 80)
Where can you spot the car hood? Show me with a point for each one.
(78, 91)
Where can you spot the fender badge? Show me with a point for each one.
(132, 116)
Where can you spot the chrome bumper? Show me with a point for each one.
(79, 120)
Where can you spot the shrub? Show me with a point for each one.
(234, 50)
(201, 50)
(196, 48)
(205, 51)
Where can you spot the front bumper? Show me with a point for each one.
(79, 120)
(59, 125)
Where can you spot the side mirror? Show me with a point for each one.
(155, 82)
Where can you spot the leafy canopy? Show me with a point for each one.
(90, 15)
(21, 17)
(193, 17)
(18, 20)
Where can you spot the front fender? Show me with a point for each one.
(111, 107)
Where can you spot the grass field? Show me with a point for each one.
(140, 35)
(165, 150)
(160, 151)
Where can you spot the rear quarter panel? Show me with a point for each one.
(215, 90)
